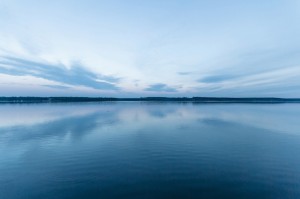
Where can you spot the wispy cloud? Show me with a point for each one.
(56, 86)
(216, 78)
(77, 75)
(274, 77)
(272, 80)
(160, 88)
(184, 73)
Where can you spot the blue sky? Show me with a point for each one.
(150, 48)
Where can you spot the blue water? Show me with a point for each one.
(149, 150)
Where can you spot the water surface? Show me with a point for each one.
(149, 150)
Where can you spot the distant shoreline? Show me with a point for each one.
(149, 99)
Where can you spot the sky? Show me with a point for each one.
(130, 48)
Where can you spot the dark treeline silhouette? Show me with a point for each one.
(149, 99)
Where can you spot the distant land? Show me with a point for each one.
(149, 99)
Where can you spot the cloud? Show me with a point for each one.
(283, 76)
(160, 88)
(184, 73)
(77, 75)
(272, 82)
(57, 86)
(216, 78)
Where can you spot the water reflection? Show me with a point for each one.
(153, 150)
(76, 127)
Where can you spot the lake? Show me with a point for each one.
(149, 150)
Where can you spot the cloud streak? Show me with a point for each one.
(216, 78)
(273, 81)
(160, 88)
(184, 73)
(77, 75)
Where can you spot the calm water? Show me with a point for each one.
(149, 150)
